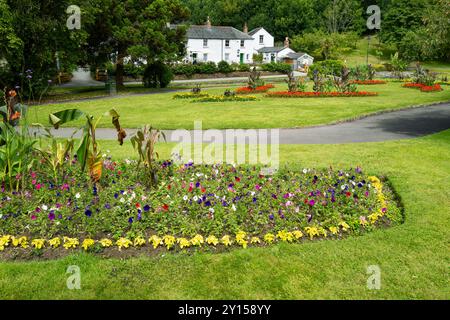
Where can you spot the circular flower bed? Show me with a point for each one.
(286, 94)
(193, 206)
(368, 82)
(423, 87)
(260, 89)
(190, 95)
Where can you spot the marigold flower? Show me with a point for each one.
(183, 243)
(169, 241)
(255, 240)
(197, 240)
(55, 242)
(70, 243)
(21, 241)
(269, 238)
(106, 243)
(139, 241)
(297, 234)
(226, 241)
(311, 232)
(212, 240)
(155, 241)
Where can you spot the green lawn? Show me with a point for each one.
(413, 257)
(163, 112)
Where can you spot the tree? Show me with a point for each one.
(137, 29)
(32, 34)
(437, 29)
(343, 16)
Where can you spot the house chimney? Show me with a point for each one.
(245, 28)
(286, 42)
(208, 23)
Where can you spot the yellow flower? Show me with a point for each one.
(323, 232)
(183, 243)
(333, 230)
(212, 240)
(139, 241)
(297, 234)
(269, 238)
(155, 241)
(373, 218)
(285, 236)
(169, 241)
(123, 243)
(4, 241)
(197, 240)
(226, 240)
(70, 242)
(106, 243)
(22, 241)
(255, 240)
(311, 232)
(344, 225)
(241, 237)
(55, 242)
(38, 243)
(87, 243)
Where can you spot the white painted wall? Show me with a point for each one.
(269, 40)
(216, 51)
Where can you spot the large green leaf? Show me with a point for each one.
(61, 117)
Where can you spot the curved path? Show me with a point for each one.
(396, 125)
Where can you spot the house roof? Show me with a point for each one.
(216, 32)
(270, 49)
(295, 55)
(254, 31)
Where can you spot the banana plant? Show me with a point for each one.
(88, 153)
(56, 153)
(144, 141)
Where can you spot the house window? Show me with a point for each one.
(227, 43)
(261, 39)
(205, 57)
(248, 56)
(242, 43)
(227, 57)
(205, 43)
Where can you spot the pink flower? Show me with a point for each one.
(33, 182)
(38, 186)
(33, 217)
(258, 187)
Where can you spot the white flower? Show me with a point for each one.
(195, 198)
(122, 200)
(185, 198)
(211, 210)
(305, 171)
(233, 207)
(343, 187)
(127, 161)
(78, 195)
(44, 207)
(1, 216)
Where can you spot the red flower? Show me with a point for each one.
(138, 205)
(348, 194)
(237, 179)
(203, 190)
(165, 207)
(169, 187)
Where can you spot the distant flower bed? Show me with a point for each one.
(286, 94)
(193, 206)
(423, 88)
(190, 95)
(368, 82)
(226, 98)
(261, 89)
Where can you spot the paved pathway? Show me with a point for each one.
(402, 124)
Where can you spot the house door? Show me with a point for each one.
(241, 58)
(194, 58)
(272, 58)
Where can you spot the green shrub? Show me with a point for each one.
(244, 68)
(224, 67)
(277, 67)
(157, 75)
(327, 67)
(206, 68)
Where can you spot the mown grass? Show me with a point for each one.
(163, 112)
(413, 257)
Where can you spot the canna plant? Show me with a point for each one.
(144, 142)
(88, 152)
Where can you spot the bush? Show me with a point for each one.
(277, 67)
(206, 68)
(243, 68)
(224, 67)
(327, 67)
(157, 75)
(184, 69)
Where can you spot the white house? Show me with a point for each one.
(207, 43)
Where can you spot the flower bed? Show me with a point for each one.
(260, 89)
(368, 82)
(423, 88)
(194, 206)
(286, 94)
(225, 98)
(190, 95)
